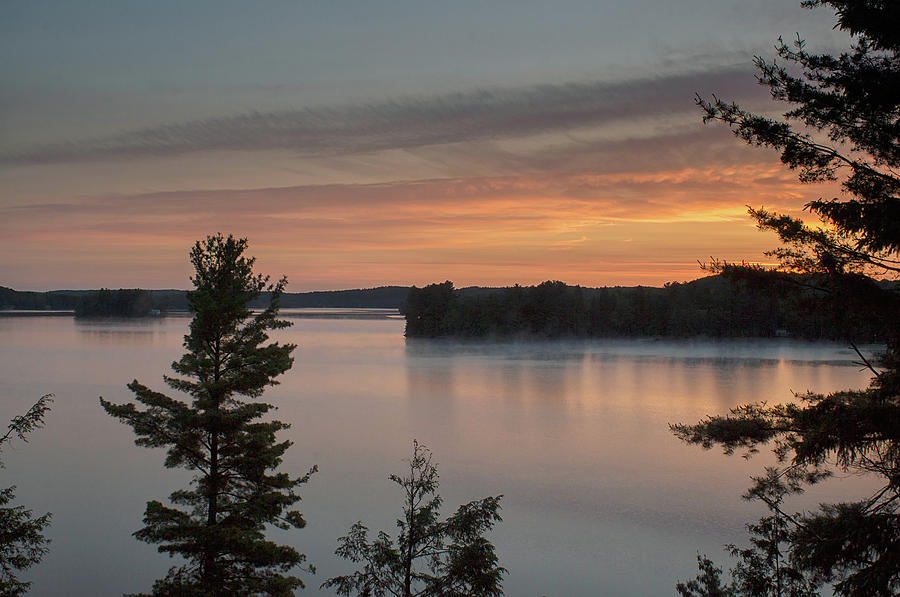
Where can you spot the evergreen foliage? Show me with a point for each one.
(382, 297)
(115, 303)
(22, 543)
(218, 524)
(764, 568)
(712, 306)
(843, 124)
(95, 303)
(28, 300)
(430, 557)
(138, 302)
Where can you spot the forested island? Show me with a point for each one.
(105, 302)
(715, 306)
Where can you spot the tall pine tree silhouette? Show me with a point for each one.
(217, 525)
(842, 123)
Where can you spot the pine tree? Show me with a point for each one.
(764, 568)
(22, 543)
(430, 557)
(843, 124)
(217, 525)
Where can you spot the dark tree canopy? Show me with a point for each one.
(132, 302)
(842, 123)
(218, 524)
(712, 306)
(764, 568)
(22, 543)
(429, 557)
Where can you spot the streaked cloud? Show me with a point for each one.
(408, 122)
(642, 226)
(593, 183)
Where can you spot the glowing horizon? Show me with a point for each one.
(506, 164)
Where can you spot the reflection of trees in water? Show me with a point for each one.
(144, 331)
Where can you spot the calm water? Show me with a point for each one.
(599, 498)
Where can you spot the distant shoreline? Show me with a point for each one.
(138, 302)
(37, 313)
(289, 313)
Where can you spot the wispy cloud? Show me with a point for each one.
(417, 214)
(409, 122)
(646, 226)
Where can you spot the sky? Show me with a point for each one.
(359, 144)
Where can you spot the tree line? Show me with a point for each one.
(138, 302)
(716, 306)
(118, 303)
(104, 302)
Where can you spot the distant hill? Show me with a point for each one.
(383, 297)
(97, 302)
(103, 301)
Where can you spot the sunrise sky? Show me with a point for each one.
(359, 144)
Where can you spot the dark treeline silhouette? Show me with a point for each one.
(64, 300)
(124, 302)
(712, 306)
(128, 303)
(383, 297)
(131, 302)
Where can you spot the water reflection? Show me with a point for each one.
(115, 331)
(599, 496)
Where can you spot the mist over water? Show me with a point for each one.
(599, 497)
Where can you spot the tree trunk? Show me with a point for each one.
(210, 574)
(211, 580)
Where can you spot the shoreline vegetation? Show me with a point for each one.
(136, 302)
(713, 306)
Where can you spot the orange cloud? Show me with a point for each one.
(589, 228)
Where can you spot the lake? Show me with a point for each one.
(599, 497)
